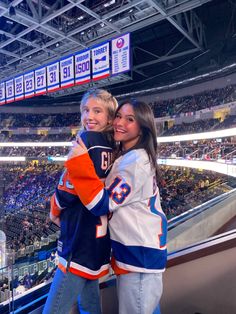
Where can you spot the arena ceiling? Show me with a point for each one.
(171, 39)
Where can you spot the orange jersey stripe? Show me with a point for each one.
(62, 268)
(86, 275)
(117, 269)
(81, 273)
(54, 209)
(84, 176)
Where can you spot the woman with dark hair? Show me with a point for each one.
(138, 226)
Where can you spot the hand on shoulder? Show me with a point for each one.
(77, 149)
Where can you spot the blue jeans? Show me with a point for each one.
(68, 288)
(139, 293)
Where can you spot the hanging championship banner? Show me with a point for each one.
(82, 67)
(2, 93)
(19, 87)
(29, 84)
(40, 81)
(100, 61)
(53, 78)
(9, 91)
(67, 72)
(120, 54)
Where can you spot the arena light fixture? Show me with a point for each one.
(109, 3)
(163, 139)
(227, 169)
(197, 136)
(17, 158)
(52, 158)
(35, 144)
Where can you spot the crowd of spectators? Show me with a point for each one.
(211, 149)
(20, 120)
(194, 127)
(60, 137)
(28, 190)
(20, 284)
(33, 183)
(27, 228)
(39, 152)
(183, 189)
(171, 107)
(229, 122)
(193, 103)
(183, 128)
(25, 203)
(201, 126)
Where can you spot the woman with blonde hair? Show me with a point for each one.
(84, 243)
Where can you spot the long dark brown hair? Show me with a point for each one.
(148, 139)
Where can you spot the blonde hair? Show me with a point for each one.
(105, 98)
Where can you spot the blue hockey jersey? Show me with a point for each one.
(84, 243)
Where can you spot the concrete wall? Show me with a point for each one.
(203, 225)
(205, 285)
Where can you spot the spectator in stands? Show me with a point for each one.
(132, 196)
(84, 244)
(27, 281)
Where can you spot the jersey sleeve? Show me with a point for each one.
(65, 194)
(124, 188)
(54, 208)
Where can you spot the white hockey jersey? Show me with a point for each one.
(138, 225)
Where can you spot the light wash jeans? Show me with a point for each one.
(68, 288)
(139, 293)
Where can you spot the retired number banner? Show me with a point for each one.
(19, 87)
(82, 67)
(67, 72)
(53, 78)
(29, 84)
(40, 81)
(10, 91)
(2, 93)
(100, 61)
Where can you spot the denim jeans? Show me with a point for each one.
(139, 293)
(68, 288)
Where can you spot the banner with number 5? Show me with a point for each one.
(29, 84)
(53, 78)
(40, 81)
(67, 72)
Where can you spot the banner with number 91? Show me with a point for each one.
(67, 72)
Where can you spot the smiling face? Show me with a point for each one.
(94, 115)
(126, 128)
